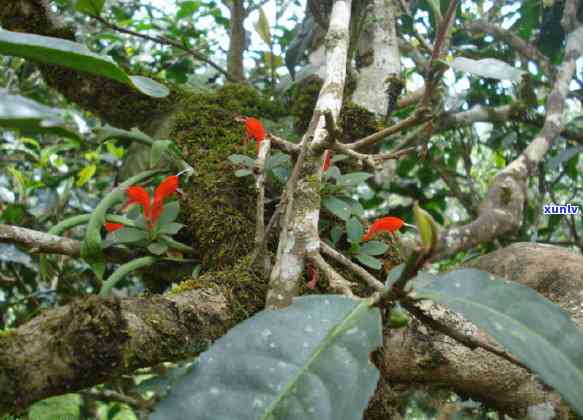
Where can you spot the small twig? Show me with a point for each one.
(468, 341)
(361, 272)
(410, 121)
(433, 72)
(285, 145)
(337, 283)
(163, 40)
(259, 170)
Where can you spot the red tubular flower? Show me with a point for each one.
(255, 130)
(327, 160)
(152, 211)
(112, 227)
(166, 188)
(138, 195)
(386, 224)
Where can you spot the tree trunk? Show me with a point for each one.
(237, 42)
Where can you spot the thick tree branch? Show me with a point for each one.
(299, 232)
(90, 341)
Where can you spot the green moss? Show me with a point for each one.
(357, 122)
(244, 288)
(506, 195)
(219, 209)
(303, 99)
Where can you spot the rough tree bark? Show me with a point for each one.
(237, 41)
(380, 44)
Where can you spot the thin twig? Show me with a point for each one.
(166, 41)
(337, 283)
(358, 270)
(468, 341)
(374, 138)
(259, 170)
(285, 145)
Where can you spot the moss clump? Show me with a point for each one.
(219, 208)
(357, 122)
(244, 288)
(303, 99)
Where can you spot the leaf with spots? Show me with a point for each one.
(532, 328)
(308, 361)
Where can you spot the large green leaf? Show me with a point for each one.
(529, 326)
(62, 52)
(307, 361)
(28, 116)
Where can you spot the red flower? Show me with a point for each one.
(385, 224)
(165, 189)
(138, 195)
(112, 227)
(152, 211)
(327, 160)
(255, 130)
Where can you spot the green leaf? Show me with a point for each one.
(535, 330)
(564, 156)
(277, 160)
(373, 248)
(175, 244)
(427, 227)
(307, 361)
(242, 160)
(353, 179)
(262, 27)
(109, 132)
(90, 7)
(62, 52)
(30, 117)
(337, 207)
(118, 152)
(240, 173)
(369, 261)
(86, 174)
(158, 149)
(62, 407)
(394, 274)
(335, 234)
(354, 230)
(127, 235)
(169, 214)
(398, 317)
(187, 9)
(157, 248)
(171, 228)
